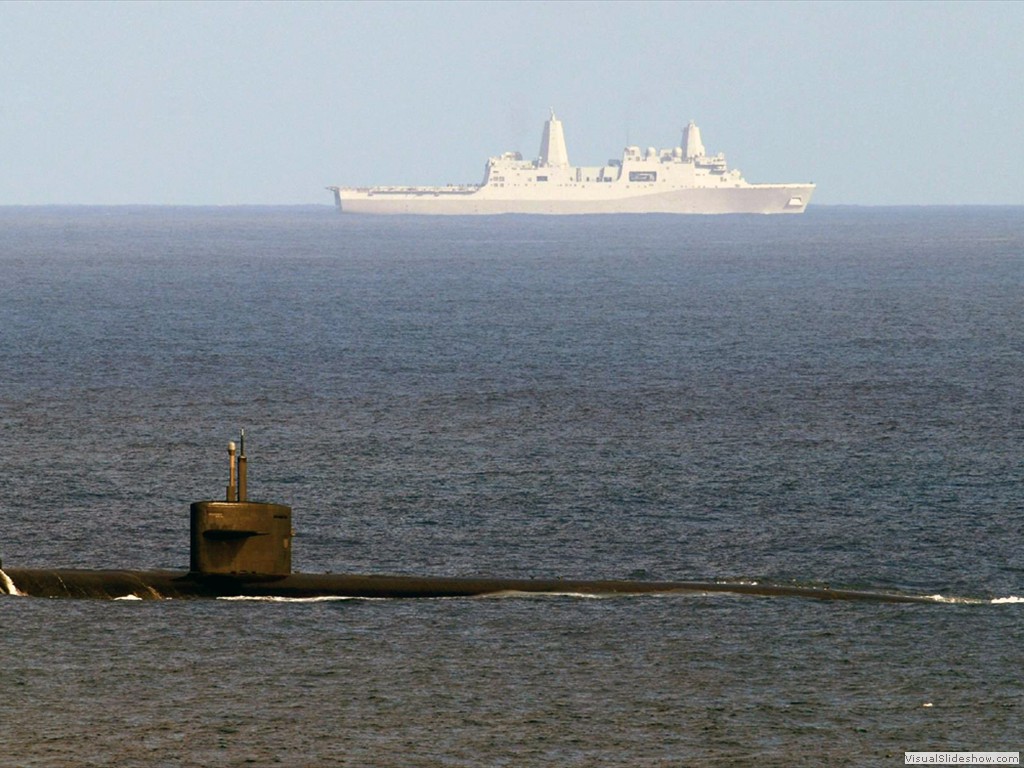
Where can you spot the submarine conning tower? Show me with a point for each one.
(238, 536)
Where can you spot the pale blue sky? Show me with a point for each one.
(267, 103)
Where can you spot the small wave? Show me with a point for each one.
(276, 599)
(974, 600)
(9, 585)
(128, 597)
(955, 600)
(518, 593)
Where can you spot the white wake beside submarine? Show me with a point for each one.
(242, 548)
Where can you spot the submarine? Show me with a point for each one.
(243, 549)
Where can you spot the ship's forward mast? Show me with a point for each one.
(692, 146)
(692, 151)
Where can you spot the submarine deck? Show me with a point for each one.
(162, 584)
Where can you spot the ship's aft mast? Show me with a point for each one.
(552, 144)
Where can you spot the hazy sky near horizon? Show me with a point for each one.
(224, 103)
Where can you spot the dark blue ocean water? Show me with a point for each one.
(833, 398)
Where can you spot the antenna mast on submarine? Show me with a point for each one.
(242, 469)
(237, 474)
(232, 494)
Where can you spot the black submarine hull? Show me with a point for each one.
(159, 584)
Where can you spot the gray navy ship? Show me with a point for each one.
(683, 179)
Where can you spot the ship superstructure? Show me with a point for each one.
(683, 179)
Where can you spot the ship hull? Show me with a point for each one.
(751, 199)
(157, 585)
